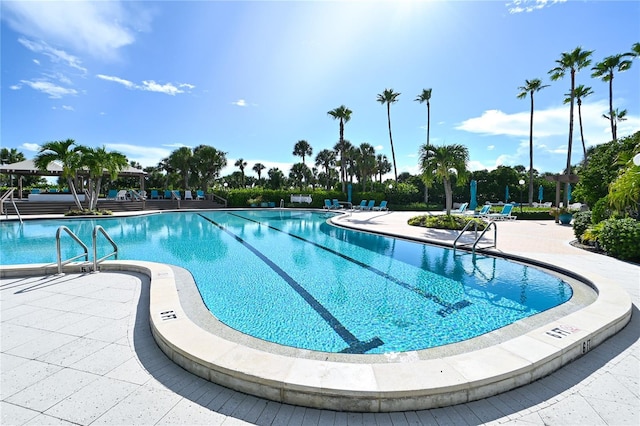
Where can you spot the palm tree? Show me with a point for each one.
(343, 114)
(365, 164)
(605, 70)
(326, 159)
(382, 166)
(300, 173)
(258, 168)
(241, 164)
(581, 92)
(425, 96)
(635, 51)
(181, 161)
(10, 156)
(388, 96)
(99, 161)
(570, 61)
(530, 87)
(442, 162)
(208, 162)
(67, 153)
(302, 149)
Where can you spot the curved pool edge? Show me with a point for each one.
(408, 384)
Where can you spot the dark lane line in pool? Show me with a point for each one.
(448, 308)
(355, 345)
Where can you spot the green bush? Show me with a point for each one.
(87, 212)
(443, 221)
(592, 235)
(621, 238)
(600, 211)
(581, 221)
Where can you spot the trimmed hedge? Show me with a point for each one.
(621, 238)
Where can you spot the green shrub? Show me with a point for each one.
(600, 211)
(87, 212)
(592, 235)
(443, 221)
(621, 238)
(581, 221)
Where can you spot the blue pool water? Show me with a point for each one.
(291, 278)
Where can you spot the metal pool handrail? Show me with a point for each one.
(77, 240)
(97, 228)
(95, 247)
(477, 237)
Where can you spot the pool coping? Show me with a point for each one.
(406, 383)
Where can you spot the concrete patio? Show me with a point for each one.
(77, 349)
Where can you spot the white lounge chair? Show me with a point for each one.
(188, 195)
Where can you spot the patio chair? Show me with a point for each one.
(382, 206)
(154, 194)
(122, 195)
(112, 194)
(175, 194)
(483, 211)
(505, 214)
(461, 210)
(167, 194)
(369, 205)
(188, 195)
(360, 206)
(199, 194)
(336, 204)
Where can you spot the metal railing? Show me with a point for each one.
(214, 197)
(9, 194)
(96, 229)
(94, 240)
(477, 237)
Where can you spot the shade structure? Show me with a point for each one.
(506, 194)
(349, 192)
(540, 193)
(473, 202)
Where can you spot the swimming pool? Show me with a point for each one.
(291, 278)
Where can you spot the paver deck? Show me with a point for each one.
(78, 349)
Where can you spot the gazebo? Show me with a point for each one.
(28, 168)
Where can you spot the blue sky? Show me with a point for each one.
(253, 78)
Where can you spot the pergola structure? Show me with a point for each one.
(28, 168)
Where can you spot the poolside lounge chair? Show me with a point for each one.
(154, 194)
(188, 195)
(167, 194)
(122, 195)
(336, 204)
(113, 193)
(382, 206)
(360, 206)
(503, 215)
(199, 194)
(461, 210)
(327, 204)
(484, 210)
(175, 194)
(369, 205)
(35, 191)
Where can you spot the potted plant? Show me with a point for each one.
(253, 202)
(561, 214)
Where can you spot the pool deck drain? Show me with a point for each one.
(529, 357)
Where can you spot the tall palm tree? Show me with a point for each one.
(581, 92)
(425, 96)
(208, 162)
(258, 168)
(343, 114)
(442, 162)
(67, 153)
(635, 51)
(570, 61)
(366, 164)
(302, 149)
(388, 97)
(181, 162)
(99, 161)
(241, 164)
(530, 87)
(605, 70)
(326, 159)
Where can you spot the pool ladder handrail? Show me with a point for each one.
(96, 229)
(477, 237)
(9, 194)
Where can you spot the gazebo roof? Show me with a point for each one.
(28, 167)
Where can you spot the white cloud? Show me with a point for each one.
(147, 156)
(240, 103)
(15, 87)
(68, 108)
(148, 85)
(32, 147)
(91, 27)
(55, 55)
(519, 6)
(491, 147)
(54, 91)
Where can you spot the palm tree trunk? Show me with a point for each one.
(72, 188)
(448, 195)
(393, 153)
(584, 147)
(426, 188)
(611, 118)
(568, 170)
(531, 153)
